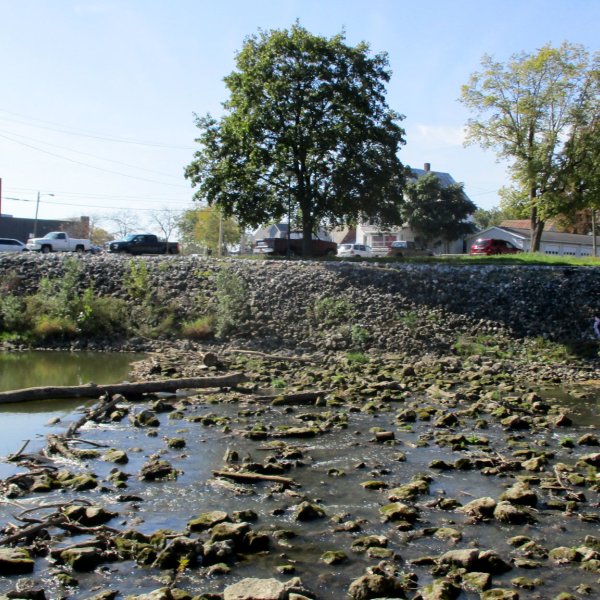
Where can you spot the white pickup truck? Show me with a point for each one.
(58, 241)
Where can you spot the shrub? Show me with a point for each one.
(12, 317)
(199, 329)
(48, 328)
(232, 307)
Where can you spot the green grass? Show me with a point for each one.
(523, 258)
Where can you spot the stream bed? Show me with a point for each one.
(332, 453)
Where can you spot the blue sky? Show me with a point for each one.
(97, 96)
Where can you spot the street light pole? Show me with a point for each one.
(37, 207)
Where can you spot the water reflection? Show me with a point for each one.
(29, 420)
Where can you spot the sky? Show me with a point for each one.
(97, 97)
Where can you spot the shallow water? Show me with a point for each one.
(29, 420)
(357, 458)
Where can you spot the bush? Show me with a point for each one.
(48, 328)
(200, 329)
(232, 307)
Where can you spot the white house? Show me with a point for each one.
(552, 242)
(380, 239)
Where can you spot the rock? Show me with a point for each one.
(308, 511)
(15, 561)
(520, 494)
(144, 418)
(464, 559)
(363, 543)
(333, 557)
(216, 552)
(563, 555)
(376, 586)
(505, 512)
(178, 549)
(499, 594)
(589, 459)
(117, 456)
(229, 531)
(481, 508)
(398, 511)
(157, 469)
(440, 589)
(589, 439)
(86, 558)
(162, 594)
(207, 520)
(263, 589)
(475, 581)
(89, 516)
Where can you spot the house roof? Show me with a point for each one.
(526, 224)
(445, 178)
(547, 236)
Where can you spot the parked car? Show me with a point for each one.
(403, 248)
(58, 241)
(493, 246)
(142, 243)
(10, 245)
(349, 250)
(279, 246)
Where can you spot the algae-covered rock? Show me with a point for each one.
(440, 589)
(398, 511)
(158, 469)
(476, 581)
(520, 493)
(207, 520)
(333, 557)
(90, 516)
(367, 541)
(15, 561)
(116, 456)
(376, 586)
(505, 512)
(86, 558)
(480, 508)
(499, 594)
(308, 511)
(563, 554)
(229, 531)
(448, 534)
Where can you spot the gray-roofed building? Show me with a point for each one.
(381, 239)
(552, 242)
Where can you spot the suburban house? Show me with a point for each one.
(380, 239)
(553, 242)
(280, 230)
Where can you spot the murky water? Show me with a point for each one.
(28, 420)
(331, 470)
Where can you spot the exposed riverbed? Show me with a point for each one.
(451, 439)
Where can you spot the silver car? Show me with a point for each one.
(10, 245)
(349, 250)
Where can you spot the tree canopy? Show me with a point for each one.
(306, 133)
(201, 226)
(526, 110)
(437, 211)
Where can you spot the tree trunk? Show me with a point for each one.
(307, 230)
(95, 391)
(537, 225)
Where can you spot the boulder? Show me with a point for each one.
(15, 561)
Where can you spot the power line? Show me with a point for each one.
(78, 162)
(94, 205)
(61, 129)
(87, 154)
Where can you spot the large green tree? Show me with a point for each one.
(525, 110)
(436, 211)
(306, 133)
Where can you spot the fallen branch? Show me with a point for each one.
(34, 529)
(302, 359)
(253, 477)
(134, 389)
(301, 398)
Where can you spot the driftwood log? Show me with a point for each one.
(126, 389)
(253, 477)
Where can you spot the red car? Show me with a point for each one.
(491, 246)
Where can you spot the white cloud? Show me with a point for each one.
(437, 136)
